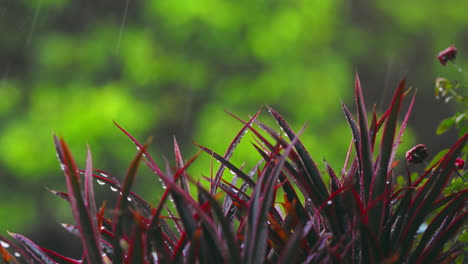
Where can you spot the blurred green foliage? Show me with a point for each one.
(172, 67)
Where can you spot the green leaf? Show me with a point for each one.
(464, 237)
(437, 158)
(445, 125)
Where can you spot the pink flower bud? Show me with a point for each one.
(417, 154)
(447, 54)
(459, 164)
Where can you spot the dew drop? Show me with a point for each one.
(17, 254)
(120, 193)
(388, 182)
(102, 228)
(329, 202)
(422, 228)
(100, 182)
(104, 175)
(129, 199)
(162, 183)
(155, 256)
(4, 244)
(113, 189)
(233, 173)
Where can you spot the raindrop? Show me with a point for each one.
(129, 199)
(100, 182)
(388, 182)
(4, 244)
(120, 193)
(104, 175)
(162, 183)
(62, 166)
(155, 256)
(17, 254)
(122, 25)
(233, 173)
(113, 189)
(102, 228)
(422, 228)
(329, 202)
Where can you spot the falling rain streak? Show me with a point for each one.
(122, 25)
(37, 10)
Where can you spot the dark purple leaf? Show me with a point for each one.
(80, 211)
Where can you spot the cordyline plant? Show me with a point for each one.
(279, 211)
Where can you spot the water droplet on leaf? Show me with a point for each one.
(4, 244)
(100, 182)
(113, 189)
(422, 228)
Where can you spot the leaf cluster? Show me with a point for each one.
(279, 211)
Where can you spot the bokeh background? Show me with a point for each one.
(173, 67)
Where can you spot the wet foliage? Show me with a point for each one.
(279, 211)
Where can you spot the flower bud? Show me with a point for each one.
(447, 54)
(459, 164)
(417, 154)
